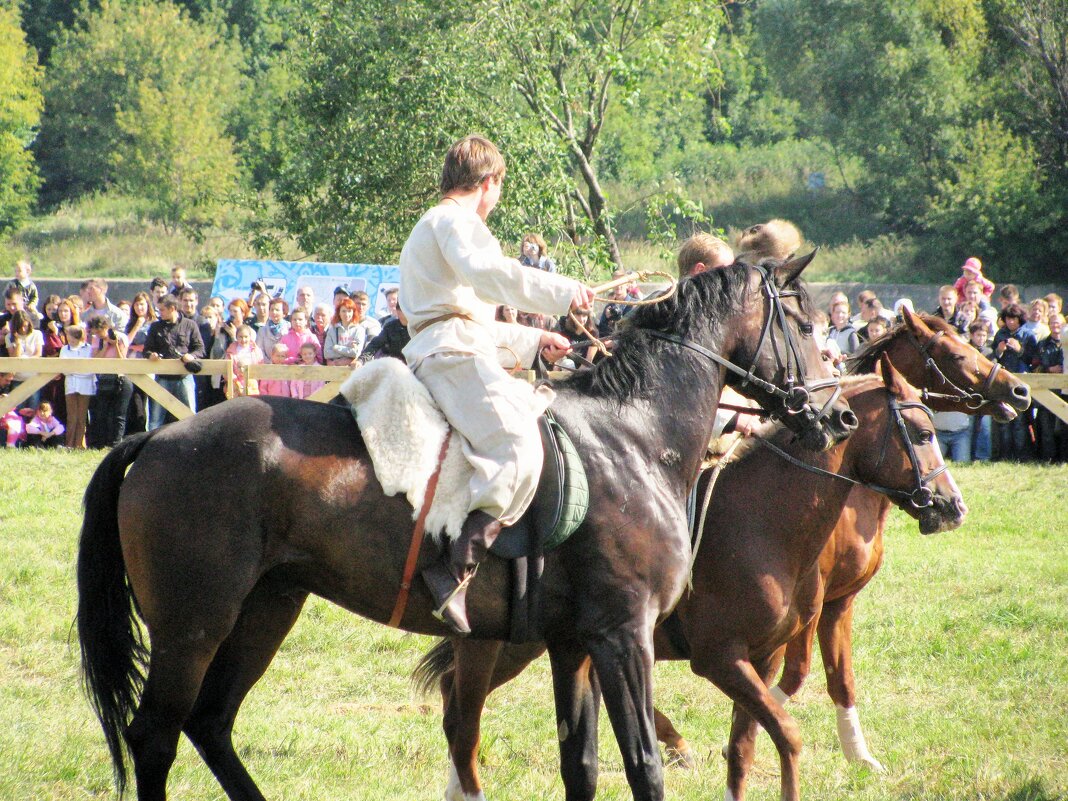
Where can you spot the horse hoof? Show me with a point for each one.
(873, 764)
(676, 758)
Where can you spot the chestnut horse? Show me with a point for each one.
(954, 377)
(226, 521)
(756, 577)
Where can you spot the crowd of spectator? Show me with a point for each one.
(167, 321)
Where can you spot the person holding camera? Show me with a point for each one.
(173, 336)
(107, 408)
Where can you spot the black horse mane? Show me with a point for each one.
(699, 304)
(865, 359)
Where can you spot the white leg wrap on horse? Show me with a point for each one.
(779, 695)
(851, 737)
(728, 795)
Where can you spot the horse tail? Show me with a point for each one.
(435, 663)
(114, 654)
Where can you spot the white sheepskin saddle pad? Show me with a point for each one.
(403, 430)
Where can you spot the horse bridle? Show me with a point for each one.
(972, 400)
(921, 497)
(798, 393)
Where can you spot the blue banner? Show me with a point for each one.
(234, 277)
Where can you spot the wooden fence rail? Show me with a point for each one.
(141, 372)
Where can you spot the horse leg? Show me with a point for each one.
(798, 663)
(836, 646)
(678, 750)
(577, 696)
(175, 673)
(730, 669)
(467, 685)
(624, 661)
(266, 618)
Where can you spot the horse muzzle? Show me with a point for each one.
(944, 514)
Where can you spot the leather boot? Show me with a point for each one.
(448, 578)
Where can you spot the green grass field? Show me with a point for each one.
(961, 650)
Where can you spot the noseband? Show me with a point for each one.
(921, 497)
(972, 400)
(798, 392)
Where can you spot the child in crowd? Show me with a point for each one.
(244, 351)
(276, 386)
(80, 387)
(22, 280)
(301, 388)
(45, 429)
(972, 270)
(14, 424)
(1037, 314)
(300, 335)
(877, 328)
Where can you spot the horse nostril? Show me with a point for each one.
(1023, 392)
(848, 420)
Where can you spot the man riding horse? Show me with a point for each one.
(453, 275)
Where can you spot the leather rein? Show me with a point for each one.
(971, 400)
(797, 396)
(921, 497)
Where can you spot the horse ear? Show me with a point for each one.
(791, 269)
(892, 379)
(917, 326)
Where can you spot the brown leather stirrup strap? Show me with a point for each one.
(417, 538)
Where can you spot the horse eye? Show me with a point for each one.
(926, 437)
(806, 329)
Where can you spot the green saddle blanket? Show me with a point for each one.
(560, 504)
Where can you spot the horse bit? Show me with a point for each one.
(796, 398)
(921, 497)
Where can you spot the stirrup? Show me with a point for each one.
(439, 613)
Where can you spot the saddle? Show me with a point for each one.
(559, 505)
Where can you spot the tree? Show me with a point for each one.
(388, 87)
(385, 90)
(20, 111)
(888, 82)
(140, 94)
(575, 60)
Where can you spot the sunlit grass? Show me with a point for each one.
(960, 647)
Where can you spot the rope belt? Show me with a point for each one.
(442, 318)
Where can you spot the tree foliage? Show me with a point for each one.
(20, 110)
(139, 94)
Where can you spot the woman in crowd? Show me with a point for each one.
(841, 332)
(142, 315)
(24, 341)
(507, 314)
(1014, 350)
(534, 253)
(275, 327)
(209, 387)
(109, 405)
(345, 339)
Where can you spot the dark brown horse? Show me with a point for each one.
(226, 521)
(756, 579)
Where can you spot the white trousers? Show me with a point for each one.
(497, 417)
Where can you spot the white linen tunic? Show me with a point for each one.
(452, 264)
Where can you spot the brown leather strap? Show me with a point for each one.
(440, 319)
(417, 538)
